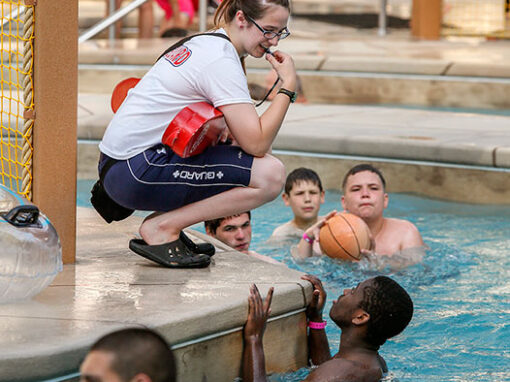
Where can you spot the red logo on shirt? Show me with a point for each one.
(178, 56)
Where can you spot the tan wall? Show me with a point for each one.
(449, 183)
(285, 347)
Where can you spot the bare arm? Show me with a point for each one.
(254, 363)
(318, 345)
(256, 134)
(304, 248)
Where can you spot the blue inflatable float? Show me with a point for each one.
(31, 254)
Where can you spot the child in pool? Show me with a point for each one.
(367, 315)
(303, 193)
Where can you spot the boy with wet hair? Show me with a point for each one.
(304, 194)
(133, 354)
(376, 310)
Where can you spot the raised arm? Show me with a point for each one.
(304, 248)
(254, 364)
(256, 134)
(317, 340)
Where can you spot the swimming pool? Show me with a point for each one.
(460, 330)
(461, 291)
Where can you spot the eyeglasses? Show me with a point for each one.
(284, 33)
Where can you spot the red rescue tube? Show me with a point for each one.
(194, 128)
(121, 90)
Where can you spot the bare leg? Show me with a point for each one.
(267, 177)
(146, 20)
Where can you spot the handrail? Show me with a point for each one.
(117, 15)
(383, 18)
(120, 13)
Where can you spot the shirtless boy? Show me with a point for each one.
(377, 309)
(304, 195)
(365, 196)
(235, 231)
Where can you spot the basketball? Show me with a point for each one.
(343, 236)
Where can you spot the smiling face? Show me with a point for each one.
(235, 231)
(253, 42)
(305, 199)
(364, 196)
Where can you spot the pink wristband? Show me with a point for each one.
(307, 238)
(317, 325)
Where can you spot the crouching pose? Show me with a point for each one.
(223, 180)
(367, 315)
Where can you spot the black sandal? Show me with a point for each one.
(172, 255)
(205, 248)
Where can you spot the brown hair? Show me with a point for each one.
(360, 168)
(251, 8)
(212, 225)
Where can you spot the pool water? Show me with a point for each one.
(461, 291)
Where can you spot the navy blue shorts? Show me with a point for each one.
(160, 180)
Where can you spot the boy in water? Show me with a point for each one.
(304, 194)
(235, 231)
(364, 195)
(375, 310)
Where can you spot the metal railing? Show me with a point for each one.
(202, 11)
(122, 12)
(383, 18)
(110, 20)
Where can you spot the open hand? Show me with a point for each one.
(258, 312)
(316, 305)
(313, 231)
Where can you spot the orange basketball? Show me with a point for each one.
(344, 236)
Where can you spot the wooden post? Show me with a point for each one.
(426, 18)
(55, 100)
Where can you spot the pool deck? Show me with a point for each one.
(201, 312)
(341, 68)
(369, 98)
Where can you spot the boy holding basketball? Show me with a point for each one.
(365, 196)
(304, 195)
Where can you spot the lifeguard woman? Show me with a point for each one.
(223, 180)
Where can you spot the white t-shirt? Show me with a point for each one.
(205, 68)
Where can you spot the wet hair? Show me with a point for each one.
(255, 9)
(390, 309)
(360, 168)
(212, 225)
(138, 350)
(302, 175)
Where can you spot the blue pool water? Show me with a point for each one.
(460, 330)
